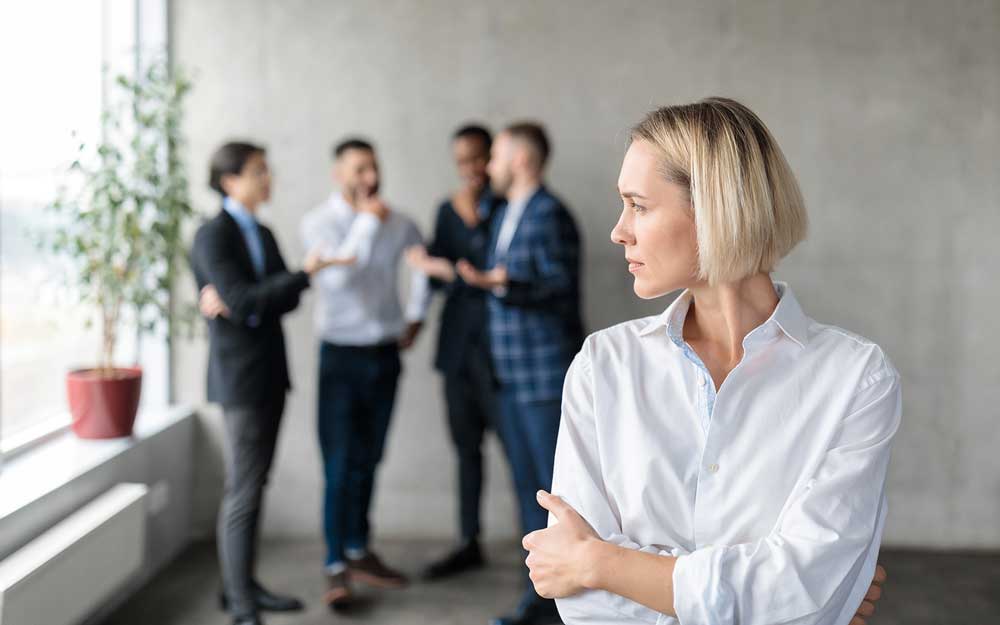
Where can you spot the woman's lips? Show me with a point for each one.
(634, 266)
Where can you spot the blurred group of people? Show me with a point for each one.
(724, 461)
(505, 253)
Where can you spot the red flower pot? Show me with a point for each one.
(104, 404)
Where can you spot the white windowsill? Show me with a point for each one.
(43, 468)
(31, 437)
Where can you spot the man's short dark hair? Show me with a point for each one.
(534, 134)
(231, 158)
(474, 131)
(351, 143)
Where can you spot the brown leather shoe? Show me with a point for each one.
(338, 594)
(371, 571)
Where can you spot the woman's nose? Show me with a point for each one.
(621, 233)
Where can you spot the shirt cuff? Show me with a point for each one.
(694, 587)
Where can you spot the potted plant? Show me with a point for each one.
(118, 222)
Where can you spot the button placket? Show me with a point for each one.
(707, 525)
(705, 530)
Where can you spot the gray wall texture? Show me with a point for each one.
(888, 111)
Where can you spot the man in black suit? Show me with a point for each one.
(463, 356)
(245, 289)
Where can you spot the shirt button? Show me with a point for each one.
(702, 382)
(713, 468)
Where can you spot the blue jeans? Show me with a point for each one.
(357, 389)
(528, 432)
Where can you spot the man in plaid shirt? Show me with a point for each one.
(533, 274)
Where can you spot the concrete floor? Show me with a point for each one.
(924, 589)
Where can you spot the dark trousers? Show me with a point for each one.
(251, 436)
(470, 392)
(357, 389)
(528, 431)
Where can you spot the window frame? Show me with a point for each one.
(132, 35)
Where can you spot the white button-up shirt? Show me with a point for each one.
(359, 304)
(511, 219)
(770, 492)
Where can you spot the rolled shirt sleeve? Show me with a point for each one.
(418, 297)
(577, 479)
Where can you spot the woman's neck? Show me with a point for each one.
(721, 316)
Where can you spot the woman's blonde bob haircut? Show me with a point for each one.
(748, 209)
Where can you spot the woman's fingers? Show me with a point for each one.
(530, 541)
(554, 504)
(880, 575)
(867, 608)
(874, 593)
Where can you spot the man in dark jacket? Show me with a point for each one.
(245, 289)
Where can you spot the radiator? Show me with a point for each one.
(65, 574)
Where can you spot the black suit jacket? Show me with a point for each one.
(246, 363)
(463, 320)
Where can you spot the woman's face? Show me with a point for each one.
(656, 226)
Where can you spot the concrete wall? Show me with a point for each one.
(888, 112)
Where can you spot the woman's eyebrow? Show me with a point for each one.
(632, 194)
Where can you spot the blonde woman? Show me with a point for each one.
(724, 462)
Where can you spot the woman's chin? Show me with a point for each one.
(644, 290)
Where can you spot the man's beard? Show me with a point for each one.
(359, 192)
(500, 187)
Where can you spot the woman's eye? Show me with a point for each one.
(638, 209)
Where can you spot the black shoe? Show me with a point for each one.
(467, 557)
(266, 601)
(543, 613)
(248, 620)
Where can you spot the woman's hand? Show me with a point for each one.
(867, 607)
(560, 557)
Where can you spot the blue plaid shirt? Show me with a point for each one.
(535, 325)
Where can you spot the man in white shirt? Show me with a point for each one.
(362, 326)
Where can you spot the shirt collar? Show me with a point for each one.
(524, 201)
(237, 211)
(787, 316)
(485, 202)
(339, 203)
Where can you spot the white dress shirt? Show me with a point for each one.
(359, 304)
(511, 218)
(770, 492)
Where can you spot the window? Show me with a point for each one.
(52, 55)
